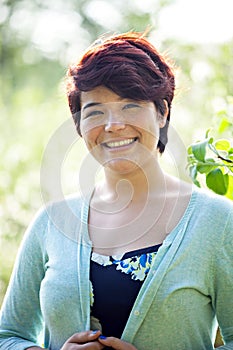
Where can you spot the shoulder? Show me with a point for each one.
(210, 202)
(63, 216)
(213, 212)
(73, 202)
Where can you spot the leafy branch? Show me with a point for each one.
(214, 161)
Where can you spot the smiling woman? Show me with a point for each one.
(143, 260)
(131, 68)
(117, 130)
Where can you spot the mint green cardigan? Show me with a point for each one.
(187, 291)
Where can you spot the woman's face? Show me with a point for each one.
(121, 134)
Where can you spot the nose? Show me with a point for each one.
(114, 126)
(114, 123)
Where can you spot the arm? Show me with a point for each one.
(21, 320)
(224, 285)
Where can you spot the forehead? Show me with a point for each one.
(100, 94)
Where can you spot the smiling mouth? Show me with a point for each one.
(121, 143)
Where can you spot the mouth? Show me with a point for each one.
(121, 143)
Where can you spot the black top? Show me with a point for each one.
(116, 283)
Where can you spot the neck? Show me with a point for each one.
(134, 185)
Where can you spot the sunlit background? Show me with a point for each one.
(40, 38)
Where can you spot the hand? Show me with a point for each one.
(116, 343)
(83, 341)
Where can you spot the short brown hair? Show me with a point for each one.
(131, 67)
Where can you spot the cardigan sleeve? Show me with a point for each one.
(21, 320)
(224, 284)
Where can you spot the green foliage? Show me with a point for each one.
(213, 158)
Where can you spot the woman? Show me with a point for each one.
(144, 261)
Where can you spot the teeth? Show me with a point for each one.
(119, 143)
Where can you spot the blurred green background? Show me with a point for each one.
(38, 39)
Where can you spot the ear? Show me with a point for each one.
(163, 117)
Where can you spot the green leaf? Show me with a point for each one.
(224, 125)
(204, 168)
(199, 150)
(217, 181)
(207, 133)
(221, 113)
(210, 160)
(229, 193)
(222, 145)
(210, 141)
(193, 175)
(193, 172)
(190, 150)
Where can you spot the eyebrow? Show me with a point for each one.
(91, 104)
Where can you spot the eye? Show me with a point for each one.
(131, 105)
(94, 113)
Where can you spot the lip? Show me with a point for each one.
(120, 144)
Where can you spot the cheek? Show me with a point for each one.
(149, 123)
(151, 129)
(90, 138)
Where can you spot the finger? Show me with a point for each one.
(95, 345)
(84, 337)
(116, 343)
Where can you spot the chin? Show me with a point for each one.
(121, 166)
